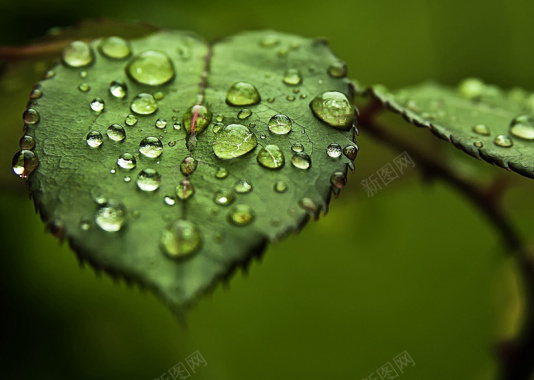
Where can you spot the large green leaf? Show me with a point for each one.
(181, 247)
(482, 120)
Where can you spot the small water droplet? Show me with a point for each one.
(337, 70)
(481, 129)
(180, 239)
(111, 216)
(49, 74)
(161, 123)
(26, 142)
(199, 116)
(85, 224)
(144, 104)
(223, 197)
(24, 163)
(243, 186)
(309, 205)
(36, 93)
(271, 157)
(338, 180)
(151, 67)
(169, 200)
(269, 41)
(263, 137)
(221, 173)
(78, 54)
(83, 74)
(280, 187)
(127, 161)
(115, 48)
(30, 116)
(148, 180)
(242, 94)
(244, 113)
(280, 124)
(478, 144)
(241, 215)
(127, 178)
(234, 141)
(130, 120)
(301, 161)
(335, 109)
(184, 190)
(219, 118)
(116, 132)
(188, 165)
(151, 147)
(333, 150)
(84, 87)
(218, 127)
(472, 88)
(97, 105)
(118, 89)
(94, 139)
(297, 147)
(523, 127)
(290, 98)
(503, 141)
(100, 200)
(270, 100)
(177, 126)
(303, 96)
(159, 95)
(171, 143)
(350, 151)
(292, 77)
(112, 171)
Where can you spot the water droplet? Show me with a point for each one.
(221, 173)
(148, 180)
(36, 93)
(26, 142)
(115, 48)
(100, 200)
(280, 124)
(151, 67)
(303, 96)
(296, 90)
(280, 187)
(184, 190)
(127, 161)
(144, 104)
(335, 109)
(269, 41)
(472, 88)
(309, 205)
(97, 105)
(159, 95)
(503, 141)
(169, 200)
(301, 161)
(161, 123)
(337, 70)
(85, 224)
(241, 215)
(243, 186)
(252, 125)
(111, 216)
(350, 151)
(242, 94)
(244, 113)
(177, 126)
(171, 143)
(130, 120)
(84, 87)
(112, 171)
(199, 116)
(234, 141)
(481, 129)
(223, 197)
(218, 127)
(116, 132)
(83, 74)
(292, 77)
(523, 127)
(271, 157)
(24, 163)
(219, 118)
(297, 147)
(78, 54)
(290, 98)
(94, 139)
(478, 144)
(151, 147)
(180, 239)
(263, 137)
(188, 165)
(118, 89)
(30, 116)
(338, 180)
(127, 178)
(49, 74)
(270, 100)
(333, 150)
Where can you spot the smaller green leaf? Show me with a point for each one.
(480, 119)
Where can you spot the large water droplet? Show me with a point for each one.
(199, 116)
(503, 141)
(481, 129)
(151, 147)
(148, 180)
(301, 161)
(337, 70)
(271, 157)
(243, 186)
(24, 163)
(26, 142)
(94, 139)
(223, 197)
(234, 141)
(78, 54)
(241, 215)
(97, 105)
(115, 48)
(242, 94)
(144, 104)
(333, 150)
(111, 216)
(280, 124)
(151, 67)
(184, 190)
(180, 239)
(127, 161)
(188, 165)
(30, 116)
(334, 108)
(118, 89)
(116, 132)
(523, 127)
(292, 77)
(350, 151)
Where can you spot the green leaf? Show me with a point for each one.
(482, 120)
(214, 140)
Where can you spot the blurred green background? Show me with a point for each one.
(413, 268)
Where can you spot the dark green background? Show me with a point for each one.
(413, 268)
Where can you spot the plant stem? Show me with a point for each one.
(517, 361)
